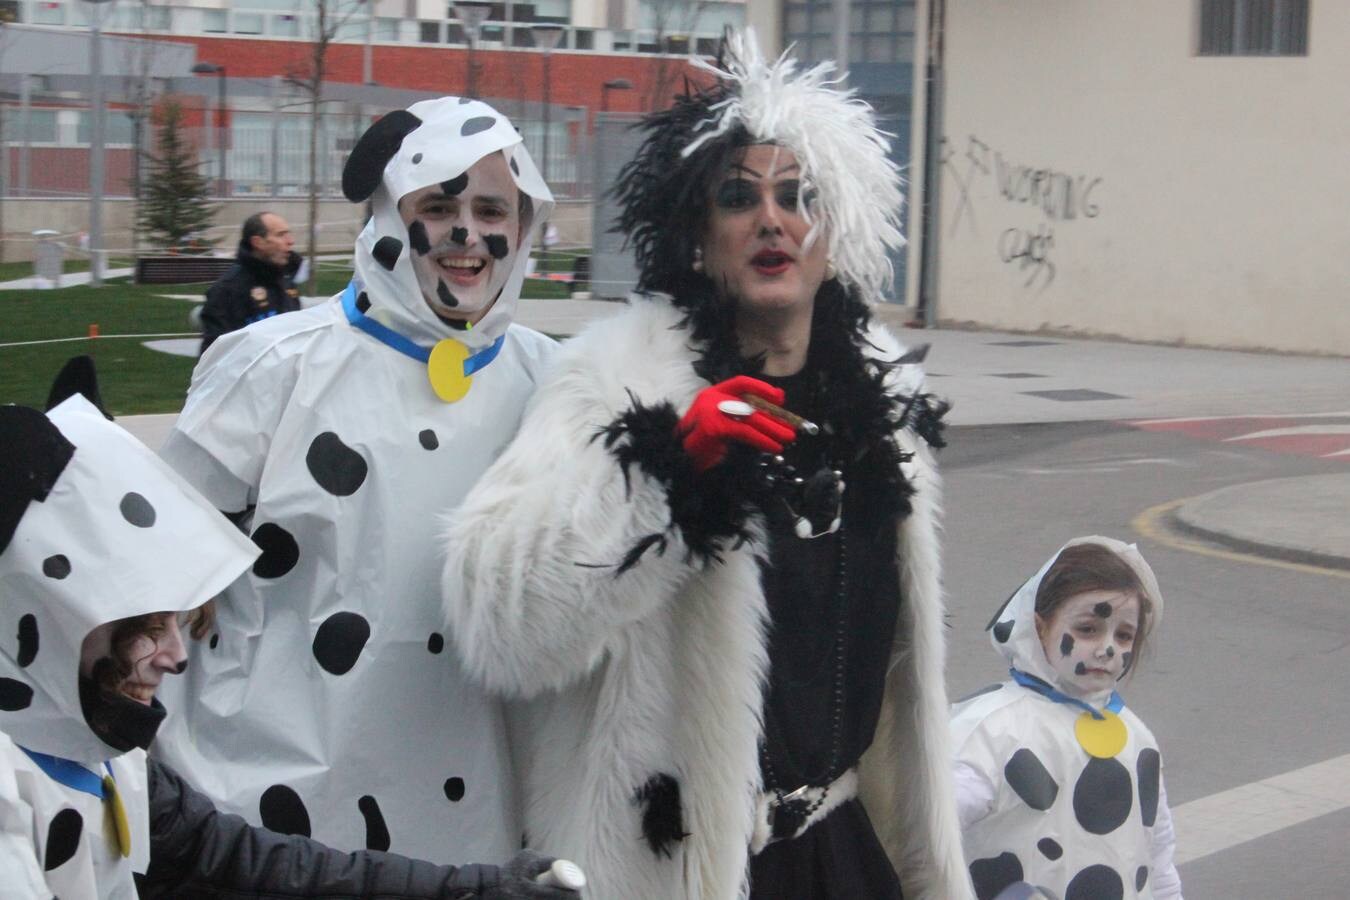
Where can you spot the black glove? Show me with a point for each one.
(517, 880)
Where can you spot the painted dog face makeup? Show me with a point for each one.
(1089, 639)
(464, 235)
(755, 246)
(150, 649)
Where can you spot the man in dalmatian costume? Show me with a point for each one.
(1059, 784)
(102, 549)
(325, 702)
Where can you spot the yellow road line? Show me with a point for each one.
(1150, 523)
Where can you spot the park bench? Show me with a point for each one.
(187, 269)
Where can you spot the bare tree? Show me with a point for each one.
(308, 75)
(672, 20)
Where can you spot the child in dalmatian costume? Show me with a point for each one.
(326, 701)
(1059, 785)
(102, 546)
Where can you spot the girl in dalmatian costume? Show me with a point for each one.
(326, 701)
(1058, 783)
(731, 674)
(102, 547)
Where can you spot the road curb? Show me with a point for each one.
(1220, 515)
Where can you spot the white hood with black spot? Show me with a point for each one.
(115, 533)
(430, 142)
(1012, 631)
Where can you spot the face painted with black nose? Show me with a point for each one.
(1089, 639)
(463, 236)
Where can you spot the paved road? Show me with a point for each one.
(1240, 684)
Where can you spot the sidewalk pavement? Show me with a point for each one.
(993, 378)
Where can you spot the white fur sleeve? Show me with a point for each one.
(531, 590)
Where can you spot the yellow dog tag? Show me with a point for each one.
(118, 813)
(1103, 738)
(445, 370)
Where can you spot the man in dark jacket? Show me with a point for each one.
(258, 285)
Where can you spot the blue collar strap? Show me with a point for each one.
(1031, 682)
(69, 773)
(386, 335)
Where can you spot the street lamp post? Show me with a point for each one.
(206, 68)
(546, 37)
(96, 144)
(471, 15)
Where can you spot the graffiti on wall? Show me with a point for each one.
(1058, 196)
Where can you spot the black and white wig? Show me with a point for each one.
(665, 192)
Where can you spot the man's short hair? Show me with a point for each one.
(254, 226)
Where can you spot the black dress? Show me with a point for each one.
(832, 603)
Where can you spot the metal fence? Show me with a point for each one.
(264, 138)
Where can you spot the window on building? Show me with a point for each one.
(41, 127)
(117, 128)
(429, 32)
(286, 25)
(214, 21)
(247, 23)
(1253, 27)
(386, 29)
(584, 39)
(10, 11)
(46, 12)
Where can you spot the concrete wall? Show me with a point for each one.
(1100, 177)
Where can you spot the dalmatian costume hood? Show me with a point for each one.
(1077, 801)
(327, 702)
(94, 528)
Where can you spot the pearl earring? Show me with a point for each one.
(697, 264)
(831, 272)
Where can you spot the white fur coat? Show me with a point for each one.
(660, 670)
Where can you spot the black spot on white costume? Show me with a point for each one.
(1002, 631)
(339, 641)
(363, 301)
(1103, 796)
(497, 245)
(28, 641)
(427, 438)
(1096, 883)
(63, 838)
(57, 567)
(1028, 776)
(280, 552)
(1140, 878)
(477, 125)
(377, 833)
(435, 643)
(454, 789)
(282, 810)
(387, 251)
(337, 468)
(14, 695)
(416, 158)
(455, 186)
(417, 237)
(365, 167)
(1050, 848)
(137, 510)
(993, 875)
(1149, 768)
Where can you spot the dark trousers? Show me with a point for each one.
(838, 858)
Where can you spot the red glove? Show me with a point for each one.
(718, 417)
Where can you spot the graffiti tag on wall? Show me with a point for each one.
(1058, 195)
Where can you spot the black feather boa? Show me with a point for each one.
(715, 507)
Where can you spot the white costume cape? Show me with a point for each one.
(1051, 814)
(118, 535)
(329, 701)
(660, 671)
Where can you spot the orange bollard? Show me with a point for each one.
(93, 329)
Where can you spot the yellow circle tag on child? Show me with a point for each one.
(445, 370)
(1103, 738)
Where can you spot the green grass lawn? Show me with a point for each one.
(133, 378)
